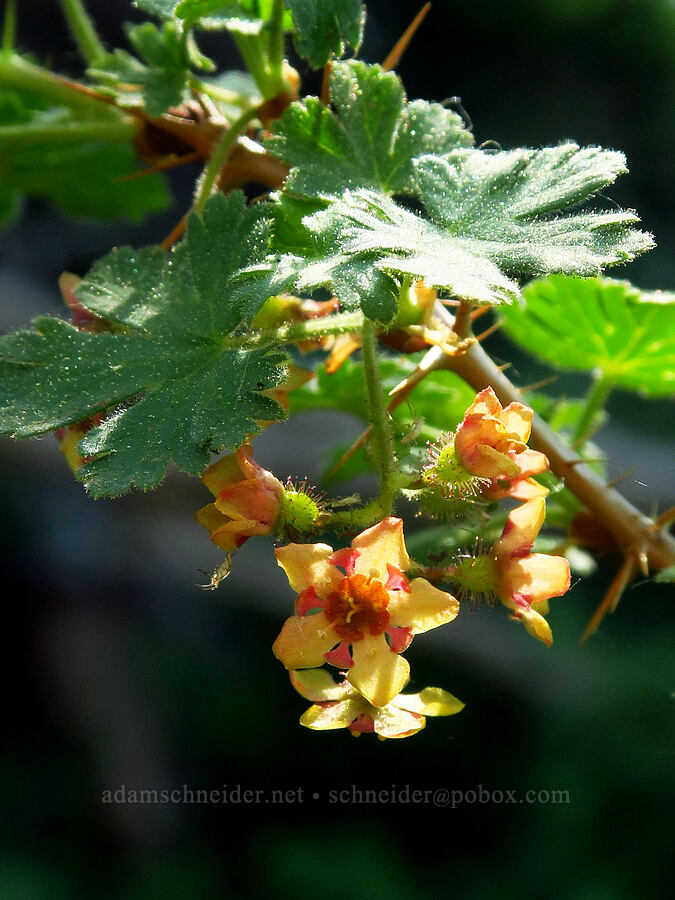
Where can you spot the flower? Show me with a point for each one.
(248, 499)
(523, 581)
(491, 441)
(359, 597)
(526, 581)
(339, 705)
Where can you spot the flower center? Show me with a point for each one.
(358, 605)
(477, 575)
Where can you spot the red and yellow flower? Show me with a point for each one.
(248, 500)
(491, 440)
(357, 610)
(339, 705)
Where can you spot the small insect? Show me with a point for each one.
(218, 575)
(414, 431)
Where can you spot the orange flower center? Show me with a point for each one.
(358, 605)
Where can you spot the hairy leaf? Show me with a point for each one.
(600, 325)
(175, 384)
(324, 28)
(368, 141)
(493, 217)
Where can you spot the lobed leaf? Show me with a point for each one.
(368, 140)
(601, 325)
(171, 383)
(325, 28)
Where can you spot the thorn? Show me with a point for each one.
(664, 519)
(539, 384)
(480, 311)
(488, 331)
(621, 477)
(611, 599)
(325, 84)
(172, 162)
(175, 234)
(402, 43)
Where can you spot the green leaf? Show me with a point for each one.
(176, 384)
(625, 335)
(665, 576)
(494, 216)
(86, 180)
(158, 82)
(76, 162)
(368, 141)
(239, 16)
(324, 28)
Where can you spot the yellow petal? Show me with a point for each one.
(303, 640)
(215, 523)
(224, 472)
(537, 576)
(307, 565)
(517, 419)
(318, 685)
(336, 715)
(379, 545)
(522, 527)
(378, 673)
(394, 722)
(424, 608)
(537, 626)
(430, 702)
(486, 403)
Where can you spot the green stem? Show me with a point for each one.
(341, 323)
(211, 172)
(83, 30)
(14, 137)
(595, 401)
(276, 45)
(16, 72)
(381, 437)
(9, 27)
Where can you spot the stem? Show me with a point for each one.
(68, 132)
(9, 27)
(595, 400)
(276, 45)
(340, 323)
(83, 30)
(381, 437)
(210, 174)
(16, 72)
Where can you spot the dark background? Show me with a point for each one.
(121, 672)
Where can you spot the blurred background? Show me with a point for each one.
(122, 672)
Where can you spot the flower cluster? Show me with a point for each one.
(359, 607)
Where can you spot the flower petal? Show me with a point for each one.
(535, 624)
(517, 419)
(537, 576)
(334, 715)
(222, 473)
(307, 564)
(531, 462)
(424, 608)
(521, 528)
(486, 403)
(214, 522)
(431, 701)
(303, 640)
(379, 545)
(378, 673)
(318, 685)
(392, 722)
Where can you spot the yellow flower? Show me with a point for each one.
(339, 705)
(357, 610)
